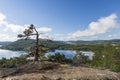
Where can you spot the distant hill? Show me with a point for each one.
(113, 41)
(5, 42)
(27, 45)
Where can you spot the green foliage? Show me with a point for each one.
(80, 59)
(115, 68)
(13, 62)
(27, 45)
(60, 58)
(42, 51)
(20, 45)
(107, 57)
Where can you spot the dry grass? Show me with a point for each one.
(68, 72)
(65, 72)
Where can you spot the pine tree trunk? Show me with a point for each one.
(37, 46)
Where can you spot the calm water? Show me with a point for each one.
(68, 53)
(8, 54)
(72, 53)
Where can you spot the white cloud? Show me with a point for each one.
(12, 29)
(2, 17)
(9, 27)
(44, 37)
(101, 26)
(44, 29)
(112, 36)
(7, 37)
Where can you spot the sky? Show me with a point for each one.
(61, 19)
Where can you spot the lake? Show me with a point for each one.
(8, 53)
(72, 53)
(68, 53)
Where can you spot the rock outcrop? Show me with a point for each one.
(54, 71)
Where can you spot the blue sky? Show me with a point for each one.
(61, 19)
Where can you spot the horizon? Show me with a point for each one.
(71, 40)
(61, 20)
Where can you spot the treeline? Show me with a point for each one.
(27, 45)
(13, 62)
(107, 57)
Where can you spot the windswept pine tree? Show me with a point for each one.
(30, 32)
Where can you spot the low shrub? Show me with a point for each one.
(115, 68)
(60, 58)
